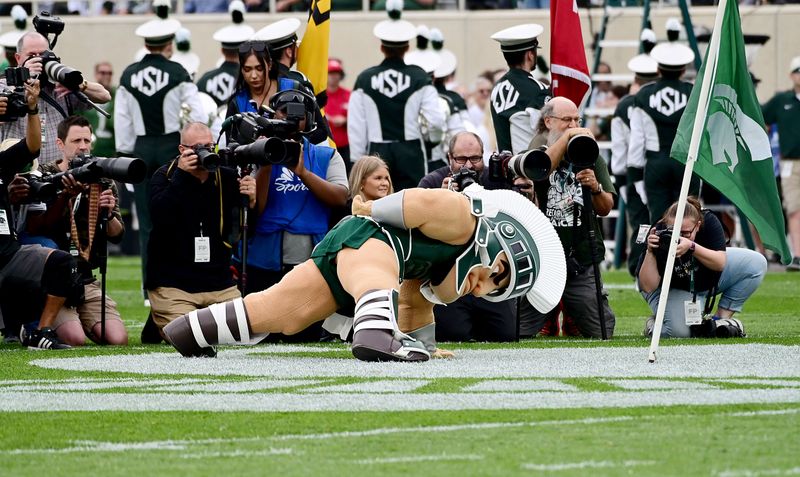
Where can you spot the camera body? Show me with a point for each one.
(88, 169)
(274, 146)
(533, 164)
(464, 178)
(16, 106)
(46, 24)
(207, 158)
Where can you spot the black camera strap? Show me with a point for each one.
(52, 102)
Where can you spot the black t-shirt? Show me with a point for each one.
(711, 235)
(12, 160)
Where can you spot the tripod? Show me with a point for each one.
(587, 213)
(101, 242)
(243, 172)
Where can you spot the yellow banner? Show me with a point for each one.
(312, 57)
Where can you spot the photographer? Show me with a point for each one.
(30, 269)
(561, 197)
(704, 267)
(294, 201)
(195, 215)
(73, 222)
(469, 317)
(56, 101)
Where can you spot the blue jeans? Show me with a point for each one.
(744, 270)
(25, 239)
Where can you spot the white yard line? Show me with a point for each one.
(589, 464)
(418, 458)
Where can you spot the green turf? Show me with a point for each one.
(732, 440)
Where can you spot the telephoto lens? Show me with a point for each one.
(207, 158)
(582, 152)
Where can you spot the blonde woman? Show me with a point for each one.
(370, 178)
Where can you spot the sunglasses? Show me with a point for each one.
(256, 46)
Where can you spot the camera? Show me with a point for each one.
(46, 24)
(464, 178)
(262, 152)
(664, 234)
(89, 169)
(39, 190)
(207, 158)
(534, 164)
(582, 152)
(16, 106)
(248, 127)
(56, 72)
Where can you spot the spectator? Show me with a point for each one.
(645, 70)
(658, 107)
(70, 224)
(470, 318)
(220, 83)
(517, 97)
(294, 203)
(25, 268)
(195, 213)
(562, 198)
(784, 110)
(337, 108)
(56, 101)
(370, 179)
(206, 6)
(384, 119)
(281, 38)
(147, 115)
(704, 267)
(256, 81)
(355, 268)
(103, 127)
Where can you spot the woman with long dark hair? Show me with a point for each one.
(257, 80)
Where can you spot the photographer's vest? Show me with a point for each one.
(291, 207)
(512, 96)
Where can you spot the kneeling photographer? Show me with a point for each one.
(80, 218)
(196, 208)
(704, 268)
(31, 270)
(298, 184)
(562, 195)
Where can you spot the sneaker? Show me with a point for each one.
(729, 328)
(569, 327)
(44, 338)
(794, 265)
(648, 326)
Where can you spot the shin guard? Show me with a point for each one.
(376, 336)
(194, 334)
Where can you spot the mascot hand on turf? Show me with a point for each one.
(361, 206)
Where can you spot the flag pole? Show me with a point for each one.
(710, 69)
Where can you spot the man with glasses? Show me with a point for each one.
(517, 97)
(147, 112)
(561, 197)
(195, 215)
(470, 318)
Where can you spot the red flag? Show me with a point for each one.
(567, 55)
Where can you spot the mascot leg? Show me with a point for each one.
(194, 334)
(376, 335)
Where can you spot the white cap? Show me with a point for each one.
(794, 66)
(427, 60)
(648, 35)
(232, 36)
(643, 65)
(190, 61)
(672, 56)
(447, 64)
(518, 38)
(10, 39)
(394, 31)
(279, 34)
(158, 32)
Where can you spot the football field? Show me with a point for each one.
(551, 406)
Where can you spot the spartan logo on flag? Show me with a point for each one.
(734, 131)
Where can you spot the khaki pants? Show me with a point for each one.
(166, 303)
(88, 313)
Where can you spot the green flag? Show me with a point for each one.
(734, 154)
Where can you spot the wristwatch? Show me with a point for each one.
(599, 189)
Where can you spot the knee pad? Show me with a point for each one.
(195, 334)
(60, 278)
(376, 335)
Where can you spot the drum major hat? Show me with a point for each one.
(231, 36)
(280, 34)
(394, 32)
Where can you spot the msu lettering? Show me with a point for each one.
(668, 101)
(149, 81)
(390, 83)
(504, 96)
(221, 86)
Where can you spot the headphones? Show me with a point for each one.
(294, 96)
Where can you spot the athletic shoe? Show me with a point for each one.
(44, 338)
(648, 326)
(794, 265)
(150, 333)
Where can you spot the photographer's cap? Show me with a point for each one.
(519, 37)
(394, 32)
(794, 66)
(158, 32)
(279, 34)
(672, 56)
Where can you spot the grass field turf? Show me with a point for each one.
(588, 434)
